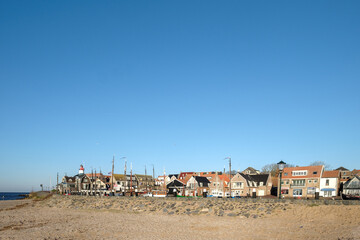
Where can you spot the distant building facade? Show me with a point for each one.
(301, 182)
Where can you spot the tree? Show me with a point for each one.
(233, 172)
(273, 168)
(318, 163)
(270, 169)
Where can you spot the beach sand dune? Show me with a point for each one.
(41, 220)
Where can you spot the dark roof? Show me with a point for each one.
(175, 183)
(175, 175)
(201, 179)
(353, 183)
(67, 179)
(255, 178)
(342, 169)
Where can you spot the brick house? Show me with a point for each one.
(301, 182)
(68, 185)
(344, 174)
(219, 185)
(246, 184)
(251, 171)
(197, 186)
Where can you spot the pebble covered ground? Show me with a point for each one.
(81, 217)
(171, 206)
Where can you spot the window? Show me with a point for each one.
(285, 174)
(311, 190)
(327, 182)
(300, 182)
(237, 184)
(315, 181)
(297, 192)
(309, 181)
(287, 182)
(299, 173)
(315, 172)
(282, 182)
(285, 191)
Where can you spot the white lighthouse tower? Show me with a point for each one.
(81, 170)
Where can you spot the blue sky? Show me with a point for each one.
(177, 84)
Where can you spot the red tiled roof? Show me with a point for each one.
(331, 174)
(184, 174)
(187, 177)
(312, 172)
(224, 177)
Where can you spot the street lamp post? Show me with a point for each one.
(281, 166)
(229, 174)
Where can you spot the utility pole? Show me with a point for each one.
(229, 158)
(125, 178)
(146, 180)
(230, 175)
(130, 179)
(57, 181)
(154, 175)
(91, 181)
(112, 175)
(164, 180)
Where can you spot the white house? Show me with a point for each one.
(329, 183)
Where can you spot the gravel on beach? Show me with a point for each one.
(81, 217)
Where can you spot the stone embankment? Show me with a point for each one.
(244, 208)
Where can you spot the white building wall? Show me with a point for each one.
(332, 184)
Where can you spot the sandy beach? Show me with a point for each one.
(74, 217)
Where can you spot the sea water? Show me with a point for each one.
(12, 195)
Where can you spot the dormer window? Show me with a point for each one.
(299, 173)
(315, 173)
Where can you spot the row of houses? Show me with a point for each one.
(218, 184)
(307, 182)
(296, 182)
(98, 183)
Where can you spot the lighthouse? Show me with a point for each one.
(81, 170)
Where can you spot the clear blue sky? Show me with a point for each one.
(177, 84)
